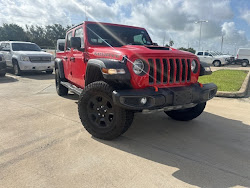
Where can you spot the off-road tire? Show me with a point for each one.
(244, 63)
(60, 89)
(16, 68)
(217, 63)
(129, 120)
(96, 97)
(49, 71)
(187, 114)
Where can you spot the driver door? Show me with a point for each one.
(78, 60)
(208, 58)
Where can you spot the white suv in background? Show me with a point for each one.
(212, 58)
(26, 56)
(243, 55)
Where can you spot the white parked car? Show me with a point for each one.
(26, 56)
(212, 58)
(243, 55)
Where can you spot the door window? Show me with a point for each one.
(200, 53)
(79, 33)
(68, 46)
(5, 46)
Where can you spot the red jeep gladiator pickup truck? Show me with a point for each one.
(117, 70)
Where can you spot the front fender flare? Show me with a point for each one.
(59, 66)
(109, 64)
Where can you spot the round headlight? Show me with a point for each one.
(194, 67)
(138, 66)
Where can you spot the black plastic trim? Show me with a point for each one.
(110, 64)
(130, 99)
(59, 66)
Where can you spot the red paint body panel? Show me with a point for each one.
(75, 70)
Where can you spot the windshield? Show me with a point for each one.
(25, 47)
(116, 36)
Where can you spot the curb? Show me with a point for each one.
(238, 94)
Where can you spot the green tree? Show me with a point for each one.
(187, 49)
(171, 43)
(12, 32)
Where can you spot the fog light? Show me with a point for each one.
(143, 100)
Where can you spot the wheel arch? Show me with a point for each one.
(59, 66)
(216, 60)
(94, 71)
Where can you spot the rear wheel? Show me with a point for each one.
(16, 68)
(187, 114)
(217, 63)
(99, 115)
(244, 63)
(60, 89)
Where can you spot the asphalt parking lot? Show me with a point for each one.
(43, 144)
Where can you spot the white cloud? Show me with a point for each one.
(170, 18)
(245, 14)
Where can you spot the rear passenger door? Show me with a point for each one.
(78, 61)
(208, 58)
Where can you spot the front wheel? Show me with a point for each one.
(16, 69)
(3, 73)
(99, 115)
(187, 114)
(60, 89)
(217, 63)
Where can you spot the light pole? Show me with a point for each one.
(200, 22)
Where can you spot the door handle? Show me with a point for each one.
(72, 59)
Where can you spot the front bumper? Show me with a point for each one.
(27, 66)
(165, 97)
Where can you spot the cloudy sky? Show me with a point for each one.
(169, 19)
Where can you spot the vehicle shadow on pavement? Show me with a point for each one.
(71, 96)
(38, 76)
(35, 75)
(7, 79)
(210, 151)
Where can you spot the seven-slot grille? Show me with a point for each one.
(169, 71)
(35, 59)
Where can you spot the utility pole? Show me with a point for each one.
(163, 44)
(200, 22)
(221, 43)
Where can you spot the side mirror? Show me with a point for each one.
(75, 43)
(61, 47)
(155, 44)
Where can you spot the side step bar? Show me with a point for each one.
(72, 88)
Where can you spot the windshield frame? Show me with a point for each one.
(30, 44)
(87, 30)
